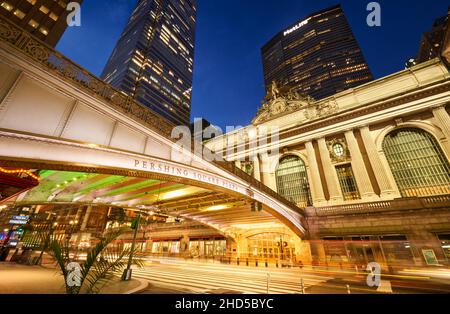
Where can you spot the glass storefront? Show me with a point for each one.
(207, 248)
(271, 246)
(166, 247)
(445, 244)
(392, 250)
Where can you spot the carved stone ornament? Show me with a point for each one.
(280, 102)
(338, 150)
(283, 101)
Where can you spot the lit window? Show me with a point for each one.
(62, 4)
(347, 182)
(44, 31)
(33, 23)
(418, 163)
(6, 6)
(292, 180)
(53, 16)
(44, 9)
(19, 14)
(33, 2)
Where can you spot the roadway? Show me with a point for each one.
(173, 275)
(197, 277)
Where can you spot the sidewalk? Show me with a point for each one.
(20, 279)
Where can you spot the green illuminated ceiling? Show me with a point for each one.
(63, 186)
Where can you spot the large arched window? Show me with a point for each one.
(418, 163)
(292, 180)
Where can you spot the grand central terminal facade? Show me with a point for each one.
(370, 166)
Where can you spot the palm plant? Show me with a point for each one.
(103, 262)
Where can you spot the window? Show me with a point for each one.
(338, 150)
(347, 182)
(6, 6)
(292, 180)
(44, 9)
(44, 31)
(19, 14)
(33, 23)
(53, 16)
(418, 164)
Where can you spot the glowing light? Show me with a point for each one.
(217, 207)
(20, 171)
(296, 27)
(174, 194)
(267, 225)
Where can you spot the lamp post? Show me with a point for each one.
(72, 226)
(126, 276)
(53, 224)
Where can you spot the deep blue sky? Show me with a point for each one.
(228, 77)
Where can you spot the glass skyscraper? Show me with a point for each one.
(45, 19)
(318, 56)
(154, 57)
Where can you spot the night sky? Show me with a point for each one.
(228, 78)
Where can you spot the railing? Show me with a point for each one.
(430, 202)
(71, 72)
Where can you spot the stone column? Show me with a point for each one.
(316, 184)
(386, 187)
(268, 177)
(330, 173)
(443, 121)
(359, 168)
(256, 168)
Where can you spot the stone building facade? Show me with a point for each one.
(370, 165)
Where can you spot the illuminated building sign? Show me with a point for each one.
(19, 220)
(296, 27)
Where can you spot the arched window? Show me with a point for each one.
(292, 180)
(418, 163)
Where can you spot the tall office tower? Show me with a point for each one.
(436, 42)
(318, 56)
(154, 57)
(46, 19)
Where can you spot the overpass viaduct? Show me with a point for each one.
(95, 145)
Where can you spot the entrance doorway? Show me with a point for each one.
(271, 247)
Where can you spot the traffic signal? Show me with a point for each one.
(135, 222)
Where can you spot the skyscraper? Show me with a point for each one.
(154, 57)
(45, 19)
(318, 56)
(436, 42)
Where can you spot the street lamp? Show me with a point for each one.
(53, 224)
(73, 224)
(126, 276)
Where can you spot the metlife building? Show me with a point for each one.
(317, 56)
